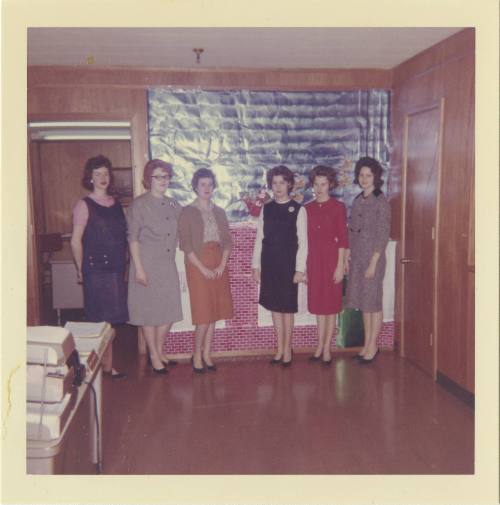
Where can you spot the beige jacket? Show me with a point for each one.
(191, 229)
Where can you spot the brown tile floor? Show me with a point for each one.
(253, 418)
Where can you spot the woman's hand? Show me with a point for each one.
(298, 277)
(370, 271)
(338, 275)
(219, 270)
(256, 275)
(207, 273)
(141, 277)
(347, 261)
(79, 277)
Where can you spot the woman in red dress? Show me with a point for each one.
(327, 237)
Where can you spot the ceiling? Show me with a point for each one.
(381, 48)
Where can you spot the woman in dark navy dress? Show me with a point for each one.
(279, 258)
(99, 245)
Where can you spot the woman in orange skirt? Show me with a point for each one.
(206, 241)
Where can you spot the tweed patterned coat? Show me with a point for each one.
(369, 227)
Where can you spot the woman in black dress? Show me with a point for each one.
(99, 245)
(279, 258)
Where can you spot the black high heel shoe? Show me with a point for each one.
(314, 358)
(161, 371)
(365, 361)
(115, 376)
(197, 370)
(212, 368)
(276, 361)
(357, 356)
(170, 362)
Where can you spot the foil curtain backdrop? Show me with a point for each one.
(242, 134)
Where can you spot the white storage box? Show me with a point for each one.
(46, 421)
(48, 384)
(51, 345)
(87, 336)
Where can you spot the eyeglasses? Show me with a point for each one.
(160, 177)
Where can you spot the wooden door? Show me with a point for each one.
(422, 167)
(33, 293)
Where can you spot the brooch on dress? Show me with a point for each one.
(291, 209)
(173, 204)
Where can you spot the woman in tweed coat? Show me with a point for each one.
(154, 297)
(369, 227)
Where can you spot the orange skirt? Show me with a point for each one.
(210, 298)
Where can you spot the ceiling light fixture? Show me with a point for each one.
(198, 51)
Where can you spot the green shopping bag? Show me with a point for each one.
(351, 331)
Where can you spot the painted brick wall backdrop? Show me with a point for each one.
(242, 333)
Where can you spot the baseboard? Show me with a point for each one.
(455, 389)
(268, 352)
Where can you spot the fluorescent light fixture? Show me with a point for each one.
(82, 137)
(79, 124)
(79, 130)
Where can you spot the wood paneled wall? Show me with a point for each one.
(68, 100)
(254, 79)
(59, 172)
(445, 71)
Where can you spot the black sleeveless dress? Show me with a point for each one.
(104, 262)
(278, 293)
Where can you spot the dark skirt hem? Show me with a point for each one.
(280, 309)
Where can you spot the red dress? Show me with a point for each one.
(326, 233)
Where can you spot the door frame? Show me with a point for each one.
(33, 285)
(139, 151)
(440, 105)
(139, 156)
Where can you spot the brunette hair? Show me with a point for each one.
(93, 164)
(324, 171)
(150, 168)
(374, 166)
(202, 173)
(285, 172)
